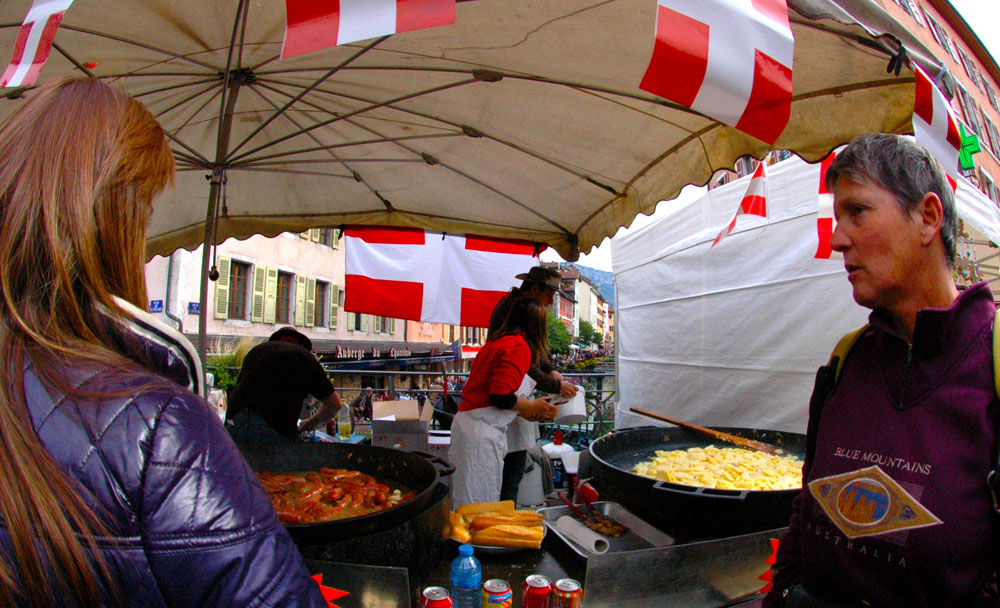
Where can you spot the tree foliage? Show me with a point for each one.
(589, 335)
(559, 338)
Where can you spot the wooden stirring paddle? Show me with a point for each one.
(743, 442)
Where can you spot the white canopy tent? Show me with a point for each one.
(733, 335)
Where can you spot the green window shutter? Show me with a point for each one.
(304, 235)
(257, 308)
(351, 321)
(336, 239)
(310, 302)
(378, 324)
(334, 305)
(392, 326)
(364, 323)
(270, 295)
(222, 289)
(300, 300)
(314, 234)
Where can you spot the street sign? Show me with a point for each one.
(194, 308)
(156, 306)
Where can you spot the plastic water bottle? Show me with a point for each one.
(466, 576)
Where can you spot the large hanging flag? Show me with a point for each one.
(825, 221)
(728, 59)
(34, 41)
(313, 25)
(754, 201)
(934, 123)
(408, 273)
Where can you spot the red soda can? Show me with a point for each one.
(567, 593)
(436, 597)
(537, 591)
(497, 594)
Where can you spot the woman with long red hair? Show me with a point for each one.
(118, 485)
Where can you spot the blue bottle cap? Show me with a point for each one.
(465, 549)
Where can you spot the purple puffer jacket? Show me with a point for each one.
(193, 526)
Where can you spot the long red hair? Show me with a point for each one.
(80, 164)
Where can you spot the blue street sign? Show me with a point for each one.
(194, 308)
(156, 306)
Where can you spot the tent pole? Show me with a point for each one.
(206, 253)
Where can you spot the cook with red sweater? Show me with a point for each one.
(489, 403)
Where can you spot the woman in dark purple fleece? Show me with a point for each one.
(895, 509)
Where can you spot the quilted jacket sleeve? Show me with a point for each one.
(210, 533)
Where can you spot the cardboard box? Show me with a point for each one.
(401, 424)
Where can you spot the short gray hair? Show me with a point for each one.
(903, 167)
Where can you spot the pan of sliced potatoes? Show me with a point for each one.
(693, 486)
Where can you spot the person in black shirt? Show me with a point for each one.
(276, 377)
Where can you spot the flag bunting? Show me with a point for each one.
(730, 60)
(754, 201)
(34, 41)
(311, 25)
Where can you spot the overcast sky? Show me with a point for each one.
(982, 15)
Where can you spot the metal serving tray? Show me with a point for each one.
(640, 535)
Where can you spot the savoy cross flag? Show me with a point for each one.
(934, 123)
(313, 24)
(754, 201)
(730, 60)
(825, 222)
(34, 41)
(408, 273)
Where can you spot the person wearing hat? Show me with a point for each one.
(276, 377)
(540, 283)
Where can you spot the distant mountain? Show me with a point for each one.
(604, 280)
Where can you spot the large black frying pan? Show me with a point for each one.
(686, 511)
(416, 471)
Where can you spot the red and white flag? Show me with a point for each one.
(314, 24)
(754, 201)
(407, 273)
(727, 59)
(825, 222)
(934, 123)
(34, 41)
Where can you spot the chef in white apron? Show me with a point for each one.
(492, 399)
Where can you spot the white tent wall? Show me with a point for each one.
(733, 335)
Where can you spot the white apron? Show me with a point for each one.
(478, 444)
(521, 433)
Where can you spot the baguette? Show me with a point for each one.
(485, 507)
(517, 518)
(459, 529)
(507, 535)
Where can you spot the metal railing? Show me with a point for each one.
(599, 386)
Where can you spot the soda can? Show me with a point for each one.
(436, 597)
(567, 593)
(497, 594)
(537, 591)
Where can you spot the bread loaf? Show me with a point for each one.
(459, 529)
(485, 507)
(496, 518)
(507, 535)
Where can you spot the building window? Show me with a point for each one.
(322, 291)
(992, 95)
(284, 297)
(238, 274)
(969, 109)
(329, 236)
(988, 187)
